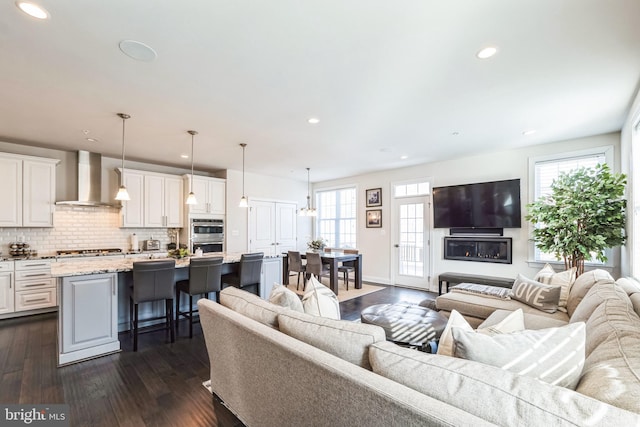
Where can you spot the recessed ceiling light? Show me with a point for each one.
(91, 139)
(314, 120)
(529, 132)
(487, 52)
(138, 50)
(32, 9)
(184, 156)
(404, 157)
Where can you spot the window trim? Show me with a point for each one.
(608, 151)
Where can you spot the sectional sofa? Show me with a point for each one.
(273, 366)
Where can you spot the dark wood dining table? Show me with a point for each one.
(333, 259)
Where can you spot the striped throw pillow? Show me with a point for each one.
(564, 279)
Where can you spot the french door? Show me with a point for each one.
(411, 252)
(272, 227)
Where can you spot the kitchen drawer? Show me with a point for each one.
(28, 285)
(6, 266)
(39, 298)
(34, 264)
(33, 274)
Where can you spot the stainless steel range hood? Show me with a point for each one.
(89, 181)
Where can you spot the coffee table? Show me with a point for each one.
(406, 323)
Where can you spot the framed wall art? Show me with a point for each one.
(374, 197)
(374, 218)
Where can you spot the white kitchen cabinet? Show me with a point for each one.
(133, 210)
(272, 227)
(88, 320)
(156, 200)
(7, 287)
(210, 194)
(271, 273)
(34, 286)
(28, 191)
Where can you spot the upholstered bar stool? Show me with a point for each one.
(152, 281)
(205, 276)
(248, 275)
(295, 265)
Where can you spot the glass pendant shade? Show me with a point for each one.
(243, 202)
(123, 194)
(191, 199)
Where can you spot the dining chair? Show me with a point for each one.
(205, 276)
(248, 275)
(315, 266)
(296, 266)
(152, 281)
(347, 266)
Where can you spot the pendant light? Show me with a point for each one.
(308, 210)
(123, 194)
(243, 201)
(191, 200)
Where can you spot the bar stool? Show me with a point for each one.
(152, 281)
(248, 274)
(204, 276)
(295, 265)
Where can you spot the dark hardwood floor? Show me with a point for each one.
(160, 385)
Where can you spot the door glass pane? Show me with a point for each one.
(411, 246)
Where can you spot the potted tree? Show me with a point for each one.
(583, 215)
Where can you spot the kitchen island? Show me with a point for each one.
(93, 301)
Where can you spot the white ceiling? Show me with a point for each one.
(385, 78)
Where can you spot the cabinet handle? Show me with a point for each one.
(36, 275)
(35, 300)
(35, 284)
(113, 287)
(35, 265)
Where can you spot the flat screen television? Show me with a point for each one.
(482, 205)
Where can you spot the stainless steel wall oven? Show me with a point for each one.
(207, 234)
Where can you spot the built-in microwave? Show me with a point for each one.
(207, 234)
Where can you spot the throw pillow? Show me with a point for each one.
(564, 279)
(554, 355)
(536, 294)
(285, 297)
(320, 300)
(513, 322)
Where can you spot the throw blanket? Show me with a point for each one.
(484, 290)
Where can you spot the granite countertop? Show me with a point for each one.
(97, 266)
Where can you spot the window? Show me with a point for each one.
(336, 220)
(411, 189)
(546, 169)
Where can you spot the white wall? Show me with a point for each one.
(376, 243)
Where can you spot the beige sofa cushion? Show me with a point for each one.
(635, 300)
(629, 284)
(612, 368)
(481, 307)
(347, 340)
(581, 286)
(564, 279)
(599, 292)
(553, 355)
(251, 306)
(491, 393)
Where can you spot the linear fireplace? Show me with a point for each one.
(479, 249)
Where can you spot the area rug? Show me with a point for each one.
(343, 293)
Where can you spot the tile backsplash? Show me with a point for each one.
(81, 227)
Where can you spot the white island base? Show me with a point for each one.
(88, 317)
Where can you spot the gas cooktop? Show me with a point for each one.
(88, 252)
